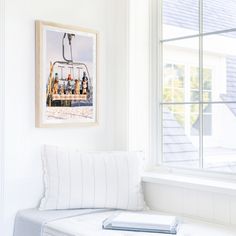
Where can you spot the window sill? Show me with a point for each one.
(191, 182)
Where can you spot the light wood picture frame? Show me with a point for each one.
(66, 75)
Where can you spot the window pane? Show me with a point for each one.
(180, 146)
(180, 18)
(174, 80)
(194, 84)
(180, 73)
(207, 82)
(207, 120)
(219, 15)
(219, 82)
(220, 145)
(194, 78)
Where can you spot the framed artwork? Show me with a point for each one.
(66, 75)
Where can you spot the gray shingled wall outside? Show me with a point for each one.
(231, 83)
(218, 14)
(176, 145)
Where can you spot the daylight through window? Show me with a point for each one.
(198, 101)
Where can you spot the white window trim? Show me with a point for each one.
(2, 113)
(154, 164)
(155, 148)
(191, 182)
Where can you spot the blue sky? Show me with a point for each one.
(82, 49)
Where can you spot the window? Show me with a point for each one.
(197, 83)
(175, 78)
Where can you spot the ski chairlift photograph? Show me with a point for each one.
(66, 75)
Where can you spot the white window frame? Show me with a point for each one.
(155, 96)
(2, 112)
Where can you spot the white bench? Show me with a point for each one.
(91, 225)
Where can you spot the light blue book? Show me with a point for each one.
(142, 222)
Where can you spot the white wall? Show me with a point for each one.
(118, 51)
(23, 177)
(138, 112)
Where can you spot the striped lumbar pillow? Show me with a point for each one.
(76, 179)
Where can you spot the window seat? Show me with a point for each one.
(89, 222)
(89, 225)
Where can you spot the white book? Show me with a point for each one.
(142, 222)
